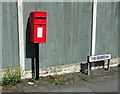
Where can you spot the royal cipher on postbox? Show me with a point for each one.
(37, 26)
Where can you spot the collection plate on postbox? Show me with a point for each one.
(37, 26)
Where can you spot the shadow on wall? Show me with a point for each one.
(30, 49)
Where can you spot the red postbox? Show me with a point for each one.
(37, 26)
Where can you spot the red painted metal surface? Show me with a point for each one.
(37, 26)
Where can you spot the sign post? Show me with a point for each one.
(91, 59)
(88, 65)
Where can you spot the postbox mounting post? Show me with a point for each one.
(37, 61)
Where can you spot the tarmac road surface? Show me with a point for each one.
(107, 83)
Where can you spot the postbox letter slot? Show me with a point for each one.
(40, 17)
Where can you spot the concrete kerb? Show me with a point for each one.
(69, 68)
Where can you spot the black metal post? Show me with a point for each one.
(103, 63)
(37, 61)
(108, 64)
(88, 65)
(33, 67)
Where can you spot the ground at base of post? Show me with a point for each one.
(100, 80)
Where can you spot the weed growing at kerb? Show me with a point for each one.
(12, 76)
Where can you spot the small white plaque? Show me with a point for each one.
(39, 32)
(99, 57)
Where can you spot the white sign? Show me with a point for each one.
(39, 32)
(99, 57)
